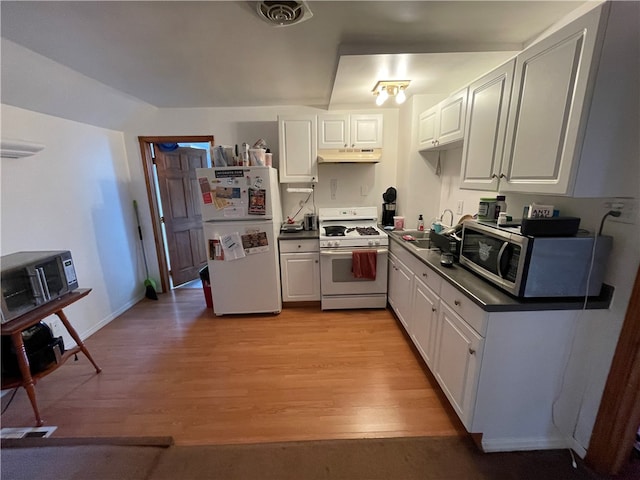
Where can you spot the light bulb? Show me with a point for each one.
(382, 96)
(401, 97)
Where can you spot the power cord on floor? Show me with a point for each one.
(15, 390)
(573, 459)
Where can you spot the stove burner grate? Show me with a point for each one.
(364, 230)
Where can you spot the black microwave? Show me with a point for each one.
(31, 279)
(527, 266)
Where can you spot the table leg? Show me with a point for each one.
(27, 379)
(77, 339)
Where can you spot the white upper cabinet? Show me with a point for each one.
(443, 125)
(298, 151)
(350, 131)
(573, 119)
(487, 110)
(428, 127)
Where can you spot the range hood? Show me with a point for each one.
(350, 155)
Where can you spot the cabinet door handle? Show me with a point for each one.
(317, 261)
(494, 176)
(471, 351)
(433, 309)
(502, 175)
(346, 145)
(457, 303)
(425, 275)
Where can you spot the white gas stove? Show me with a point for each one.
(353, 258)
(350, 227)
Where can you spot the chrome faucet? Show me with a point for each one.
(442, 216)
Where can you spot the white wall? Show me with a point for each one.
(418, 185)
(73, 195)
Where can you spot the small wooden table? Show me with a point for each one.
(14, 329)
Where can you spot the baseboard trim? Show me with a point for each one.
(522, 444)
(164, 442)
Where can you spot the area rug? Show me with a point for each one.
(424, 458)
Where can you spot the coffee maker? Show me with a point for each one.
(389, 206)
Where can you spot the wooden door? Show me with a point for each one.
(179, 192)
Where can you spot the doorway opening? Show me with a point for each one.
(169, 164)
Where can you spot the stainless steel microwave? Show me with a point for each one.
(528, 266)
(31, 279)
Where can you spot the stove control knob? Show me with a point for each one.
(336, 243)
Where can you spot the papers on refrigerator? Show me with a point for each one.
(235, 246)
(255, 242)
(232, 246)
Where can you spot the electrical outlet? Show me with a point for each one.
(460, 207)
(364, 190)
(628, 208)
(333, 186)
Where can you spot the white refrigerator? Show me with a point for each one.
(241, 216)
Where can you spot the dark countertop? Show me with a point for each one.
(492, 299)
(301, 235)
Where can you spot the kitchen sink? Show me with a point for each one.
(421, 239)
(421, 243)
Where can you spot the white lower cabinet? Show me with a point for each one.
(424, 316)
(399, 289)
(500, 371)
(300, 270)
(457, 363)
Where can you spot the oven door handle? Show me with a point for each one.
(499, 259)
(348, 251)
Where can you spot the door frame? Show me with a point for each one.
(154, 203)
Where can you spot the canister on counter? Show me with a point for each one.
(487, 209)
(501, 206)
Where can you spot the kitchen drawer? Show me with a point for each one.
(418, 268)
(464, 306)
(296, 246)
(429, 277)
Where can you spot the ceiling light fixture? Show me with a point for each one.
(390, 88)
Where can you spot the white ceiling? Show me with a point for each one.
(220, 53)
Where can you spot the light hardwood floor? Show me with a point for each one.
(171, 367)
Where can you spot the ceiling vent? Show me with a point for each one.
(283, 13)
